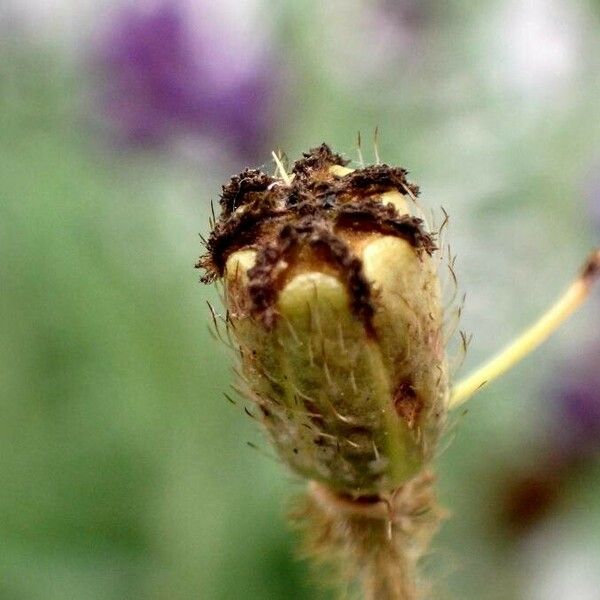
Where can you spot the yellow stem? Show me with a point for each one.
(532, 337)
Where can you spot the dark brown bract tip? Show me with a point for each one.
(247, 182)
(371, 215)
(378, 178)
(318, 159)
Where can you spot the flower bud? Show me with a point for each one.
(332, 295)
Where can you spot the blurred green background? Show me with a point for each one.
(124, 473)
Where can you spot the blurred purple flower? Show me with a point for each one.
(405, 22)
(167, 72)
(410, 15)
(577, 405)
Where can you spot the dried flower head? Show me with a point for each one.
(332, 293)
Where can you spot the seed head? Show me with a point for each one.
(332, 295)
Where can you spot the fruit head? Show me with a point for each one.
(332, 295)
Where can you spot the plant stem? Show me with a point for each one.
(373, 542)
(532, 337)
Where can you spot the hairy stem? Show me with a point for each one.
(387, 579)
(374, 543)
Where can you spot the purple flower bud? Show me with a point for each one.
(173, 69)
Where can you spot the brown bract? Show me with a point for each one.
(313, 216)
